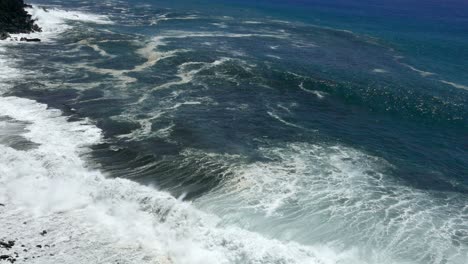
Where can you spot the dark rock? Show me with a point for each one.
(11, 259)
(2, 39)
(38, 246)
(7, 245)
(14, 19)
(4, 245)
(30, 39)
(43, 233)
(4, 35)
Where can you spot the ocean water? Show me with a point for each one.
(238, 132)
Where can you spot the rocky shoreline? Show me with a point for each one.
(15, 250)
(14, 20)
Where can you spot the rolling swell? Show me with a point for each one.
(285, 139)
(85, 212)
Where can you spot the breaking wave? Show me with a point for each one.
(341, 197)
(53, 21)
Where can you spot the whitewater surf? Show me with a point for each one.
(151, 132)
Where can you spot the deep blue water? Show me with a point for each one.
(352, 116)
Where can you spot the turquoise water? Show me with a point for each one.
(322, 123)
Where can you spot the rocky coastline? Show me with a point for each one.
(14, 20)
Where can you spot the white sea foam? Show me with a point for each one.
(165, 132)
(427, 74)
(377, 70)
(146, 124)
(302, 44)
(341, 197)
(149, 52)
(153, 55)
(456, 85)
(145, 129)
(319, 94)
(96, 48)
(177, 34)
(220, 25)
(421, 72)
(53, 21)
(252, 22)
(284, 108)
(186, 76)
(163, 17)
(93, 219)
(278, 118)
(274, 56)
(8, 70)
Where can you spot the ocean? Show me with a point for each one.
(233, 131)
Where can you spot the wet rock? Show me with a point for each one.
(14, 19)
(7, 245)
(3, 36)
(9, 258)
(30, 39)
